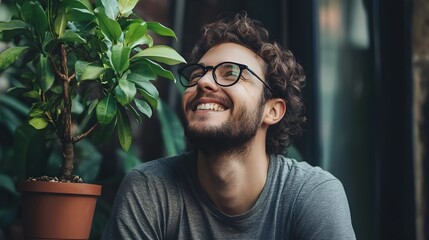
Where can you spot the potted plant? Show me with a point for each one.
(102, 60)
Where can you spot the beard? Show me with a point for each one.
(231, 137)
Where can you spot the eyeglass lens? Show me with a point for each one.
(225, 73)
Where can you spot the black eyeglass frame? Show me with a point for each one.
(213, 68)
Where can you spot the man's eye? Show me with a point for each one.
(196, 76)
(230, 75)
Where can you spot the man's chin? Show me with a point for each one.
(216, 140)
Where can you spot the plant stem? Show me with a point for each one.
(67, 141)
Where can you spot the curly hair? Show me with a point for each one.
(283, 74)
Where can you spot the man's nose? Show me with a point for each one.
(207, 82)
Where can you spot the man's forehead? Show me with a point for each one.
(232, 52)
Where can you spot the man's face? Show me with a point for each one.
(225, 118)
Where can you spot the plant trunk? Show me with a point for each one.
(67, 141)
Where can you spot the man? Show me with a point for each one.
(242, 104)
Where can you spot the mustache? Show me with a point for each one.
(192, 104)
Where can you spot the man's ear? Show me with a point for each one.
(275, 109)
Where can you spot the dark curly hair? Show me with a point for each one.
(283, 74)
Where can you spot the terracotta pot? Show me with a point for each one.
(58, 210)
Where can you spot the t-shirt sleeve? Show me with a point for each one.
(134, 213)
(324, 214)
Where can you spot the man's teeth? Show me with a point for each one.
(210, 106)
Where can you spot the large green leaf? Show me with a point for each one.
(110, 28)
(153, 101)
(86, 71)
(60, 23)
(126, 6)
(159, 70)
(13, 25)
(136, 34)
(33, 13)
(143, 107)
(78, 14)
(146, 89)
(72, 37)
(9, 56)
(106, 110)
(161, 29)
(161, 53)
(45, 75)
(124, 130)
(146, 86)
(120, 58)
(78, 11)
(141, 71)
(111, 8)
(125, 91)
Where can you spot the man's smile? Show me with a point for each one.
(210, 106)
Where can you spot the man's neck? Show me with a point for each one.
(233, 182)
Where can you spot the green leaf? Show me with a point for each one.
(136, 114)
(124, 130)
(143, 107)
(111, 8)
(149, 92)
(103, 132)
(161, 29)
(146, 86)
(146, 89)
(45, 74)
(141, 71)
(85, 71)
(120, 58)
(159, 70)
(72, 37)
(34, 94)
(78, 11)
(125, 91)
(78, 14)
(38, 123)
(34, 14)
(36, 111)
(136, 34)
(110, 28)
(60, 23)
(13, 25)
(126, 6)
(106, 110)
(9, 56)
(161, 53)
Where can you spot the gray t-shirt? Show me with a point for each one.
(162, 199)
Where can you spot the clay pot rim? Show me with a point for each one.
(60, 187)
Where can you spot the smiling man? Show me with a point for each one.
(242, 105)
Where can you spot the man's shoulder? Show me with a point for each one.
(162, 168)
(302, 168)
(300, 175)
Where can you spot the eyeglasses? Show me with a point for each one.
(225, 74)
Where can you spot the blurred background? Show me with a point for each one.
(367, 66)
